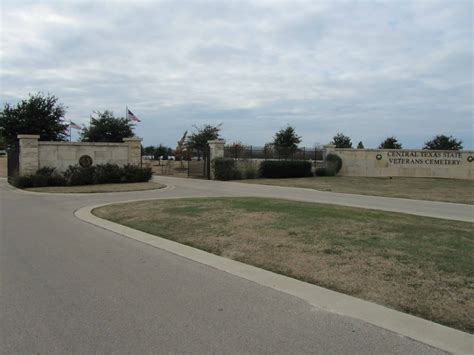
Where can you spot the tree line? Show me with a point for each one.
(44, 115)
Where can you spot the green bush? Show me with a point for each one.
(134, 173)
(77, 175)
(107, 174)
(43, 177)
(333, 162)
(226, 169)
(285, 168)
(325, 172)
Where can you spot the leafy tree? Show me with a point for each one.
(149, 150)
(198, 139)
(39, 114)
(341, 141)
(107, 128)
(286, 141)
(360, 145)
(443, 142)
(161, 151)
(181, 149)
(390, 143)
(236, 150)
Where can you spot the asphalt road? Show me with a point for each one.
(68, 286)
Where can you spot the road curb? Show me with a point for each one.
(419, 329)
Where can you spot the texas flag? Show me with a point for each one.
(132, 117)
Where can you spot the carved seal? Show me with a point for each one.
(85, 161)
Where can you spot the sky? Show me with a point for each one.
(368, 69)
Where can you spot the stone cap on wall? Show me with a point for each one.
(132, 139)
(216, 141)
(28, 136)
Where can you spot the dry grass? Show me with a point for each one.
(3, 166)
(414, 264)
(136, 186)
(445, 190)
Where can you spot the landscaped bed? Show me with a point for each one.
(423, 266)
(136, 186)
(446, 190)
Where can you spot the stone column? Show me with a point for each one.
(134, 150)
(216, 150)
(29, 154)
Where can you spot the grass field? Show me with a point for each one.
(136, 186)
(419, 265)
(446, 190)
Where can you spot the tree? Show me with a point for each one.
(181, 149)
(236, 150)
(161, 151)
(107, 128)
(443, 142)
(39, 114)
(286, 141)
(149, 150)
(3, 143)
(198, 139)
(341, 141)
(390, 143)
(360, 145)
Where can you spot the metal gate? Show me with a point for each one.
(200, 168)
(13, 160)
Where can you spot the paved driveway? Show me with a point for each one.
(68, 286)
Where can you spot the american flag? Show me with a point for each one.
(74, 125)
(132, 117)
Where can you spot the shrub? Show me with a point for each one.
(77, 175)
(333, 162)
(325, 172)
(251, 171)
(43, 177)
(107, 174)
(285, 168)
(226, 169)
(134, 173)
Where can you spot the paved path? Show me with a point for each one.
(68, 286)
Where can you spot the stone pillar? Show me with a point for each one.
(216, 150)
(134, 150)
(29, 154)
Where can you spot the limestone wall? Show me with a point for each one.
(35, 154)
(404, 162)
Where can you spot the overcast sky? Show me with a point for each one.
(367, 69)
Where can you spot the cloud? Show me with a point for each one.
(368, 69)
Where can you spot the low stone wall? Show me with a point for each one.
(35, 154)
(404, 162)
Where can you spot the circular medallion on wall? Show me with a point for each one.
(85, 161)
(470, 158)
(378, 157)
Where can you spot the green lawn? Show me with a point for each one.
(423, 266)
(446, 190)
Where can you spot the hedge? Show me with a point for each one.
(285, 169)
(77, 175)
(226, 169)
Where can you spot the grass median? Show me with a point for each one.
(134, 186)
(418, 265)
(443, 190)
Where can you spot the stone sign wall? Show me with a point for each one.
(35, 154)
(404, 162)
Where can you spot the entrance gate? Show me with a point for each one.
(200, 168)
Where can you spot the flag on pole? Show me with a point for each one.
(73, 125)
(132, 117)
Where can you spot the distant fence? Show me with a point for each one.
(272, 153)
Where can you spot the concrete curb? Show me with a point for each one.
(419, 329)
